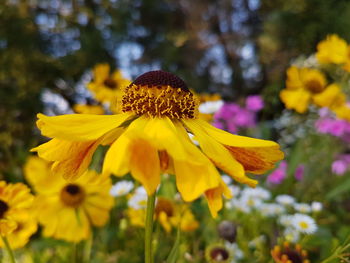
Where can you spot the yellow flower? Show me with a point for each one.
(171, 215)
(347, 63)
(332, 50)
(15, 206)
(25, 228)
(106, 87)
(301, 85)
(332, 97)
(343, 112)
(288, 254)
(151, 137)
(137, 216)
(67, 210)
(88, 109)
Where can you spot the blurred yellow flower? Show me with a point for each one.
(289, 254)
(332, 50)
(172, 215)
(15, 206)
(19, 237)
(151, 137)
(301, 86)
(332, 97)
(88, 109)
(137, 217)
(106, 87)
(67, 210)
(343, 112)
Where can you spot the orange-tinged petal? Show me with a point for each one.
(71, 159)
(144, 164)
(256, 155)
(219, 154)
(79, 127)
(214, 197)
(298, 99)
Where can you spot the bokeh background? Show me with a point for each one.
(230, 47)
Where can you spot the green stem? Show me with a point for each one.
(149, 228)
(8, 249)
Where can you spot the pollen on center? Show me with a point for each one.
(159, 93)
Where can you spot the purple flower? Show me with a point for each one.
(299, 172)
(278, 175)
(254, 103)
(339, 167)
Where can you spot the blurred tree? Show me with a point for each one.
(233, 47)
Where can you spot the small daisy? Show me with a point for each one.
(285, 200)
(302, 208)
(257, 192)
(291, 235)
(138, 201)
(316, 206)
(272, 209)
(121, 188)
(210, 107)
(235, 190)
(304, 224)
(286, 220)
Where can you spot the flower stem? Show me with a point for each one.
(8, 249)
(149, 228)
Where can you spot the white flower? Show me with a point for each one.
(237, 204)
(234, 190)
(250, 201)
(257, 241)
(257, 192)
(235, 251)
(138, 201)
(140, 190)
(304, 224)
(121, 188)
(271, 209)
(316, 206)
(291, 235)
(227, 179)
(210, 107)
(285, 200)
(302, 208)
(286, 220)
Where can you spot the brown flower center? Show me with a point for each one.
(110, 83)
(314, 86)
(159, 93)
(219, 254)
(164, 205)
(293, 256)
(3, 208)
(72, 195)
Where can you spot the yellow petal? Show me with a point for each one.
(331, 97)
(71, 159)
(214, 198)
(193, 179)
(296, 99)
(219, 154)
(79, 127)
(256, 156)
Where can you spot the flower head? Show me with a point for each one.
(279, 174)
(106, 87)
(332, 50)
(151, 137)
(254, 103)
(285, 200)
(218, 253)
(289, 254)
(15, 206)
(67, 210)
(304, 224)
(301, 86)
(121, 188)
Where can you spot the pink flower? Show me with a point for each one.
(254, 103)
(299, 172)
(278, 175)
